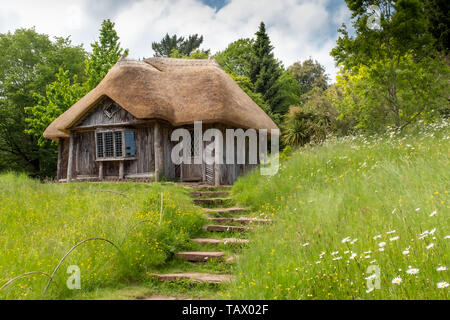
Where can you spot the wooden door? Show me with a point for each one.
(192, 172)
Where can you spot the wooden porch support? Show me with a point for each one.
(100, 170)
(121, 174)
(216, 174)
(58, 166)
(159, 164)
(70, 161)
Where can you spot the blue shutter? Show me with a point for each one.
(130, 144)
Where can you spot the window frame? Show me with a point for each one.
(113, 131)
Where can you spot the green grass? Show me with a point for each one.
(40, 222)
(369, 189)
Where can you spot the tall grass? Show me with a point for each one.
(344, 206)
(40, 222)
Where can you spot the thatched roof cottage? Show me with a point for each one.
(122, 128)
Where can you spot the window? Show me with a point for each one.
(110, 144)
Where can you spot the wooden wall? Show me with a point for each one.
(85, 165)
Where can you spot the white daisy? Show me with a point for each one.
(412, 271)
(397, 280)
(442, 285)
(337, 258)
(382, 244)
(417, 209)
(405, 252)
(381, 249)
(353, 241)
(306, 244)
(447, 237)
(353, 255)
(392, 231)
(433, 213)
(394, 238)
(346, 239)
(431, 245)
(369, 290)
(377, 237)
(441, 268)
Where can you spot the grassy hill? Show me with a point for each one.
(344, 206)
(40, 222)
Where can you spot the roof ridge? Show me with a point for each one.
(179, 62)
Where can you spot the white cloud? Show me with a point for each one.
(299, 29)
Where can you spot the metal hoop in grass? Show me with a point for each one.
(68, 252)
(26, 275)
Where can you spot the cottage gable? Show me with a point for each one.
(107, 112)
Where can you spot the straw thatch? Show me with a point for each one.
(179, 91)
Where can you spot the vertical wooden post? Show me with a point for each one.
(121, 174)
(159, 164)
(100, 170)
(58, 167)
(216, 174)
(70, 161)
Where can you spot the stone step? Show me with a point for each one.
(210, 201)
(220, 228)
(200, 256)
(209, 193)
(219, 241)
(220, 211)
(194, 277)
(241, 220)
(210, 187)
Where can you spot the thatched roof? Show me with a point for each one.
(179, 91)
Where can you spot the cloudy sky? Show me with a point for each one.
(299, 29)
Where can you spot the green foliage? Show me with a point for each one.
(68, 88)
(183, 46)
(390, 71)
(105, 53)
(438, 15)
(197, 54)
(287, 93)
(235, 59)
(28, 62)
(309, 74)
(421, 91)
(364, 190)
(60, 95)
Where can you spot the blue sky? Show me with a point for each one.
(299, 29)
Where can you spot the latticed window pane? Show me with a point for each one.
(99, 145)
(118, 143)
(109, 145)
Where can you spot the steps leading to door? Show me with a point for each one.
(221, 228)
(200, 256)
(221, 211)
(209, 193)
(220, 241)
(211, 201)
(194, 277)
(241, 220)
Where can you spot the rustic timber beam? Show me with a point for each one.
(121, 174)
(100, 171)
(70, 161)
(58, 166)
(159, 163)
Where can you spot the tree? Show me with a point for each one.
(68, 88)
(309, 74)
(28, 62)
(235, 59)
(264, 68)
(105, 53)
(380, 63)
(185, 47)
(287, 93)
(196, 54)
